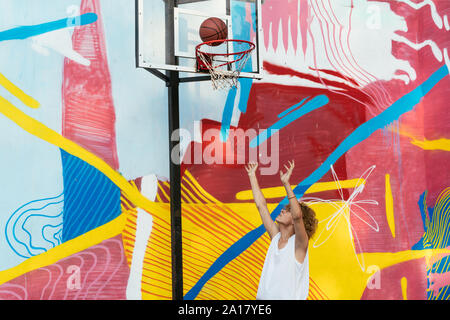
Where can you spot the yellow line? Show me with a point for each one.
(439, 144)
(83, 242)
(18, 93)
(158, 197)
(279, 192)
(190, 194)
(41, 131)
(163, 192)
(197, 192)
(404, 284)
(200, 188)
(389, 201)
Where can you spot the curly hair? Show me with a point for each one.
(309, 218)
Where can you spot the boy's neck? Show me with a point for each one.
(286, 232)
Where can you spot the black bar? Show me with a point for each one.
(189, 1)
(159, 74)
(193, 79)
(175, 174)
(175, 188)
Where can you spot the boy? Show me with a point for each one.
(285, 274)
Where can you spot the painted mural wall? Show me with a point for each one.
(354, 91)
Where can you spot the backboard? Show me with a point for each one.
(168, 32)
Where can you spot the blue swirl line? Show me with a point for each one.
(13, 228)
(29, 234)
(52, 226)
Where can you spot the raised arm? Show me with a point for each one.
(260, 201)
(301, 237)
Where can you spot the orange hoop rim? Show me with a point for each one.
(242, 54)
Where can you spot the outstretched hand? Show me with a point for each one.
(287, 175)
(251, 168)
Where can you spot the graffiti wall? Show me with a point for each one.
(353, 91)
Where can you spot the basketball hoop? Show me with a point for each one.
(224, 68)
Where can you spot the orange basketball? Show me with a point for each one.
(213, 29)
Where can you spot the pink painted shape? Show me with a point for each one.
(275, 12)
(305, 21)
(103, 272)
(88, 108)
(390, 282)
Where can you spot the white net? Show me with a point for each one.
(224, 75)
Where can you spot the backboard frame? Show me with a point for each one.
(142, 62)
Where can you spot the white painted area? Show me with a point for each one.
(59, 41)
(140, 99)
(149, 187)
(144, 226)
(362, 60)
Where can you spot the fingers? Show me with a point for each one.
(292, 164)
(251, 167)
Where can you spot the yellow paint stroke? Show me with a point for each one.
(206, 196)
(404, 284)
(279, 192)
(66, 249)
(439, 144)
(389, 205)
(209, 229)
(41, 131)
(345, 279)
(18, 93)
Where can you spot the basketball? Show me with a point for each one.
(213, 29)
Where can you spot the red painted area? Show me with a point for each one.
(308, 140)
(412, 170)
(98, 273)
(88, 107)
(390, 282)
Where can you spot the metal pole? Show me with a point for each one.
(175, 189)
(175, 174)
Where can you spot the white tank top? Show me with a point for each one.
(283, 277)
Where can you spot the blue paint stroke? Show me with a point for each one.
(423, 209)
(227, 115)
(313, 104)
(401, 106)
(24, 32)
(295, 106)
(241, 30)
(91, 199)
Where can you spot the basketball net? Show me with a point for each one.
(224, 68)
